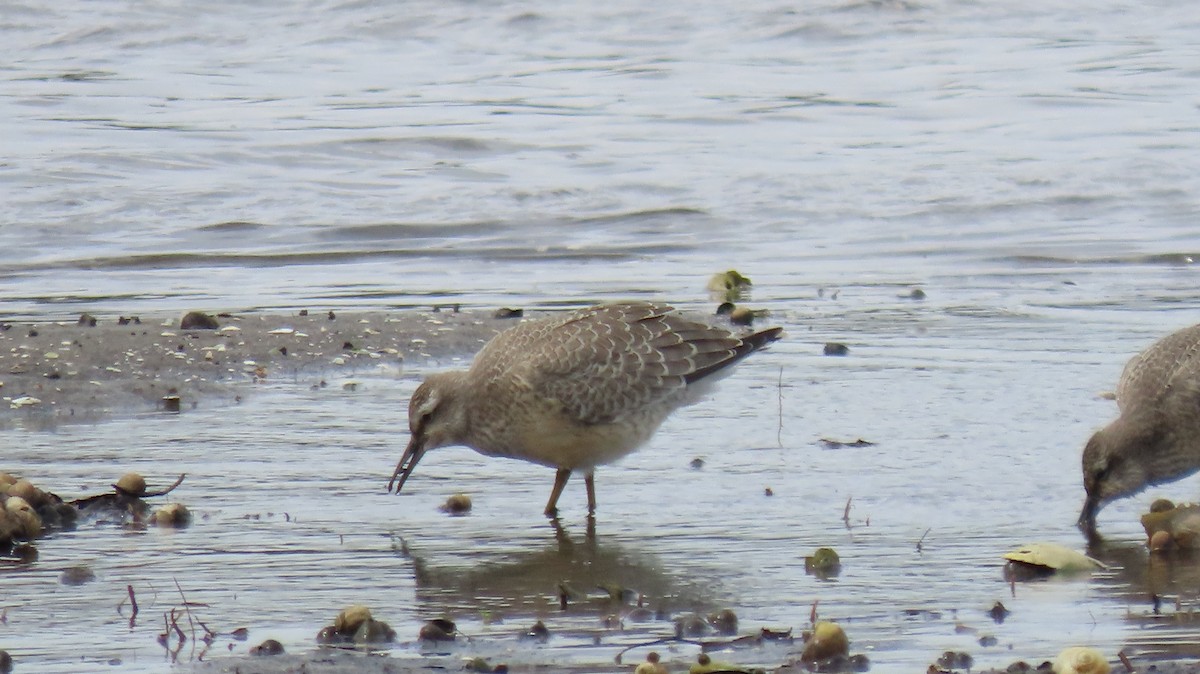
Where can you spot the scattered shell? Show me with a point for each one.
(24, 489)
(351, 617)
(728, 286)
(823, 563)
(1081, 660)
(281, 331)
(1054, 557)
(173, 515)
(24, 401)
(828, 640)
(131, 483)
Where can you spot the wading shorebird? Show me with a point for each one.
(1156, 438)
(574, 391)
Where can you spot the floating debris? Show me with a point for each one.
(955, 660)
(132, 484)
(457, 504)
(267, 648)
(729, 286)
(1172, 527)
(355, 625)
(77, 575)
(828, 640)
(998, 612)
(438, 629)
(830, 443)
(539, 633)
(824, 563)
(691, 625)
(173, 515)
(725, 622)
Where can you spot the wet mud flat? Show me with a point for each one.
(229, 532)
(98, 366)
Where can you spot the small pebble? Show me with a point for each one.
(198, 320)
(77, 575)
(836, 349)
(268, 647)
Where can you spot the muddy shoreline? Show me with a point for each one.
(96, 366)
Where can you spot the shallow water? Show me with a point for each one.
(1031, 168)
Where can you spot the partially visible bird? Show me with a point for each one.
(574, 391)
(1156, 438)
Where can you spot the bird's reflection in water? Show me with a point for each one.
(1160, 591)
(586, 574)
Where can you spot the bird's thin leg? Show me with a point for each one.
(589, 480)
(560, 482)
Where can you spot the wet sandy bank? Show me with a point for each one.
(97, 366)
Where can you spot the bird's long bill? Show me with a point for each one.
(412, 454)
(1087, 518)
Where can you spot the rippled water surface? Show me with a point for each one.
(1031, 168)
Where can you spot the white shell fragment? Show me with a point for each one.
(1053, 556)
(24, 401)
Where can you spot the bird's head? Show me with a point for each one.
(435, 419)
(1116, 464)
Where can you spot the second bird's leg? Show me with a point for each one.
(590, 481)
(560, 482)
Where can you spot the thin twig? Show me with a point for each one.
(656, 642)
(168, 490)
(846, 512)
(922, 539)
(779, 428)
(133, 605)
(188, 612)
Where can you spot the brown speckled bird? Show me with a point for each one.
(573, 391)
(1156, 438)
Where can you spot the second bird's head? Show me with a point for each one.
(1115, 465)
